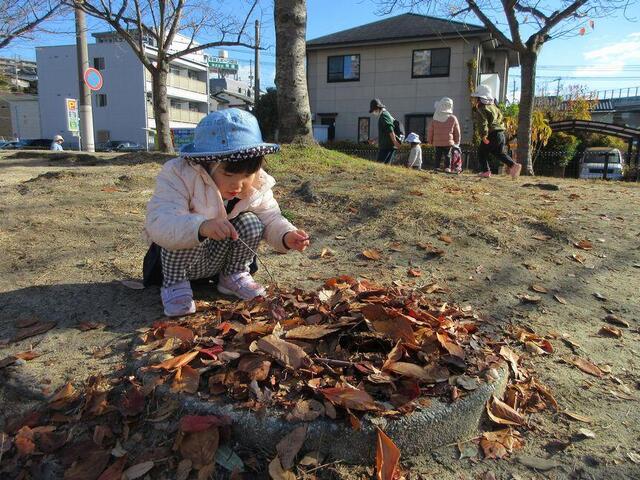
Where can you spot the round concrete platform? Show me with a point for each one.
(414, 434)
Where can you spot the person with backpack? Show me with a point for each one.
(443, 131)
(491, 127)
(387, 140)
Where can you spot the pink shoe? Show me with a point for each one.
(177, 299)
(515, 170)
(485, 174)
(241, 285)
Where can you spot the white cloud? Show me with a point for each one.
(610, 60)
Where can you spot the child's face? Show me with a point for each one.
(230, 184)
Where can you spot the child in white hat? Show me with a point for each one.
(415, 154)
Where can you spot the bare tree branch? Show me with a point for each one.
(18, 18)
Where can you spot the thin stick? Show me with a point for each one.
(335, 363)
(260, 260)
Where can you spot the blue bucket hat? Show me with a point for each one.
(228, 135)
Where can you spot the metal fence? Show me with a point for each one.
(545, 163)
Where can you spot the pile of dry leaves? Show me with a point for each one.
(348, 349)
(352, 345)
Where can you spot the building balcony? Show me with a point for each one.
(183, 83)
(180, 115)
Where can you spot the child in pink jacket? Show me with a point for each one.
(210, 209)
(444, 131)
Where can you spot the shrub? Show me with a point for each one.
(562, 147)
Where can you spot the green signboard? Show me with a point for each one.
(73, 119)
(219, 63)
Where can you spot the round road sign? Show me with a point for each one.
(93, 79)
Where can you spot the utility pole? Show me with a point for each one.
(256, 85)
(558, 87)
(513, 92)
(84, 102)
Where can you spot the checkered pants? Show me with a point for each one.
(214, 256)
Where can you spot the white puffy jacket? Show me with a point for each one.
(186, 195)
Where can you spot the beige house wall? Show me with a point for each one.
(385, 73)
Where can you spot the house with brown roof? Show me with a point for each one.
(408, 61)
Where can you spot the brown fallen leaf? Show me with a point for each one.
(396, 247)
(525, 298)
(614, 320)
(349, 397)
(584, 245)
(290, 445)
(387, 457)
(200, 423)
(539, 288)
(431, 249)
(414, 272)
(559, 299)
(500, 443)
(372, 254)
(200, 447)
(176, 362)
(33, 330)
(513, 358)
(446, 239)
(305, 411)
(181, 333)
(577, 416)
(286, 353)
(503, 414)
(114, 472)
(88, 465)
(430, 375)
(326, 253)
(587, 367)
(600, 297)
(63, 397)
(450, 346)
(138, 470)
(609, 331)
(310, 332)
(276, 472)
(256, 366)
(579, 258)
(542, 237)
(534, 348)
(186, 379)
(132, 402)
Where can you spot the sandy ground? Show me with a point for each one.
(70, 232)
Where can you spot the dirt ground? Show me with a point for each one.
(70, 233)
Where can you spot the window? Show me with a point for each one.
(192, 75)
(417, 123)
(101, 100)
(98, 63)
(430, 63)
(363, 129)
(343, 68)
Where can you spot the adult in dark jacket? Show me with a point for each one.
(387, 141)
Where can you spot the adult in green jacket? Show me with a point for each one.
(491, 126)
(387, 141)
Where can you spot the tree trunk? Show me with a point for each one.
(161, 108)
(291, 79)
(528, 62)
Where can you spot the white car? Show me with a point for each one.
(593, 161)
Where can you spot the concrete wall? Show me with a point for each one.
(19, 116)
(385, 72)
(123, 117)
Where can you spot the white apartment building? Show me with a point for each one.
(122, 109)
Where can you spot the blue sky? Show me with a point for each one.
(607, 57)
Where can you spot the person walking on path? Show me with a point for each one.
(415, 154)
(444, 131)
(56, 145)
(491, 126)
(387, 141)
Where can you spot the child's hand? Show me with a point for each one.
(297, 240)
(485, 140)
(218, 229)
